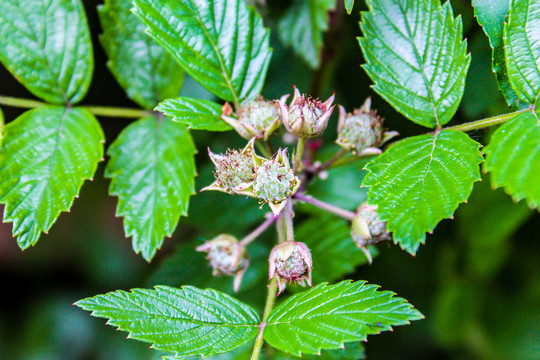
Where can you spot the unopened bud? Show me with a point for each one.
(259, 119)
(361, 132)
(367, 228)
(290, 262)
(226, 257)
(305, 117)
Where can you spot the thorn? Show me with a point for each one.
(451, 217)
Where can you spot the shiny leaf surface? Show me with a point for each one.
(220, 43)
(491, 15)
(416, 56)
(522, 48)
(186, 321)
(46, 45)
(142, 67)
(327, 316)
(152, 171)
(197, 114)
(513, 158)
(421, 180)
(46, 155)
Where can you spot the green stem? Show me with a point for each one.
(96, 110)
(487, 122)
(263, 149)
(270, 297)
(288, 220)
(298, 156)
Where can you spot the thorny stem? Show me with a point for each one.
(259, 230)
(299, 153)
(96, 110)
(349, 215)
(270, 297)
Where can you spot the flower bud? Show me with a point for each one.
(361, 132)
(226, 257)
(290, 262)
(235, 170)
(305, 117)
(275, 181)
(259, 119)
(367, 228)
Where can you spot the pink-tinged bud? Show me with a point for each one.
(361, 132)
(305, 117)
(235, 170)
(290, 262)
(226, 257)
(368, 229)
(259, 119)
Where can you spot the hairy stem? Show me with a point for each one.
(288, 220)
(270, 296)
(349, 215)
(299, 153)
(487, 122)
(96, 110)
(259, 230)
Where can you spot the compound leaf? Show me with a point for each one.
(221, 43)
(197, 114)
(186, 321)
(491, 15)
(513, 158)
(522, 49)
(416, 56)
(302, 27)
(46, 45)
(47, 154)
(327, 316)
(142, 67)
(420, 181)
(152, 171)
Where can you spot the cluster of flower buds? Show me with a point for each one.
(361, 132)
(367, 228)
(272, 181)
(255, 119)
(305, 117)
(227, 257)
(290, 262)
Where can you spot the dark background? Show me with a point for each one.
(476, 280)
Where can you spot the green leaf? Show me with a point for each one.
(329, 239)
(220, 43)
(421, 180)
(327, 316)
(349, 6)
(197, 114)
(1, 126)
(47, 154)
(187, 321)
(522, 49)
(491, 15)
(302, 27)
(143, 68)
(352, 351)
(416, 56)
(46, 45)
(513, 158)
(152, 171)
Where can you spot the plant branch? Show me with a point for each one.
(96, 110)
(259, 230)
(271, 295)
(487, 122)
(348, 215)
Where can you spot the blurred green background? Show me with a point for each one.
(477, 279)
